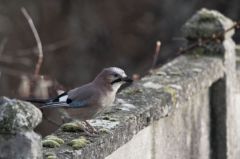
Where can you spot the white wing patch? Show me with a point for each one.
(63, 98)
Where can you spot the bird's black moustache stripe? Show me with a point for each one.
(116, 81)
(125, 79)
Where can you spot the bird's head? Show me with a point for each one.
(113, 77)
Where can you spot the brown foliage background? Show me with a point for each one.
(81, 37)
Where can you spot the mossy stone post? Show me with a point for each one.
(17, 138)
(224, 114)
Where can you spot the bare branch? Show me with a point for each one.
(37, 38)
(46, 49)
(156, 54)
(215, 37)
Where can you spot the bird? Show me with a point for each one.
(90, 99)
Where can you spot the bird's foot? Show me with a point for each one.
(89, 129)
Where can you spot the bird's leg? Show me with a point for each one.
(85, 128)
(92, 129)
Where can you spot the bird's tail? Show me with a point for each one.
(40, 101)
(46, 103)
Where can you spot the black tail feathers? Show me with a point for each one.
(40, 101)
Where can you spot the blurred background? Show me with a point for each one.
(80, 37)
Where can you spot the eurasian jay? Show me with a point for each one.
(92, 98)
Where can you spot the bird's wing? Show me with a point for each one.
(45, 101)
(85, 94)
(75, 98)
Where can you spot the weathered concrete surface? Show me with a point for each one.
(233, 122)
(207, 24)
(17, 116)
(238, 57)
(140, 146)
(23, 145)
(154, 97)
(17, 121)
(237, 110)
(238, 67)
(183, 134)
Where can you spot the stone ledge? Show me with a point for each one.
(238, 56)
(18, 116)
(154, 97)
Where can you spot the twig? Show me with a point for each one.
(156, 54)
(47, 48)
(214, 37)
(37, 38)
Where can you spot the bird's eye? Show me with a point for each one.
(115, 75)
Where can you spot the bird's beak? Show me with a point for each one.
(127, 79)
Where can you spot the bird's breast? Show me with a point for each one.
(108, 99)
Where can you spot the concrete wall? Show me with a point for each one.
(184, 134)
